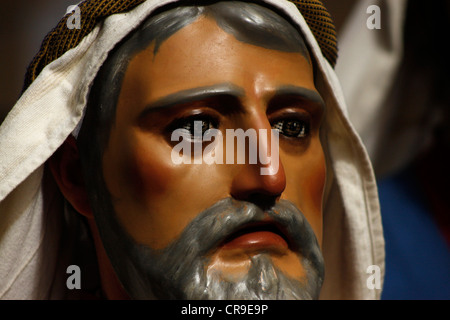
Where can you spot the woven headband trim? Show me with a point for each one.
(61, 38)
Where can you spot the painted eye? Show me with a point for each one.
(292, 128)
(195, 127)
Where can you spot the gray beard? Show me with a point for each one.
(263, 282)
(180, 271)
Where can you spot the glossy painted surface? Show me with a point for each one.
(155, 199)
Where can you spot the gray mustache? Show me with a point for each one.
(227, 216)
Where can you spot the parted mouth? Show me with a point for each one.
(254, 232)
(261, 235)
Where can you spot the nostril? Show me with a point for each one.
(264, 201)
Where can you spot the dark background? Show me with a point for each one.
(23, 26)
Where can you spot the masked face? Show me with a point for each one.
(216, 230)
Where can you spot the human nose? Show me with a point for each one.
(265, 180)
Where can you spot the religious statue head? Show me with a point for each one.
(197, 230)
(201, 164)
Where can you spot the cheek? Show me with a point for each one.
(149, 170)
(136, 168)
(305, 182)
(315, 181)
(140, 178)
(155, 199)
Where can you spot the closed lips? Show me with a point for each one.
(265, 235)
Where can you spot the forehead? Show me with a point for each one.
(203, 54)
(248, 22)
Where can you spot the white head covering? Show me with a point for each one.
(368, 68)
(33, 230)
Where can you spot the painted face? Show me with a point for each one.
(204, 74)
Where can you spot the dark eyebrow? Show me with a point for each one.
(299, 92)
(193, 95)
